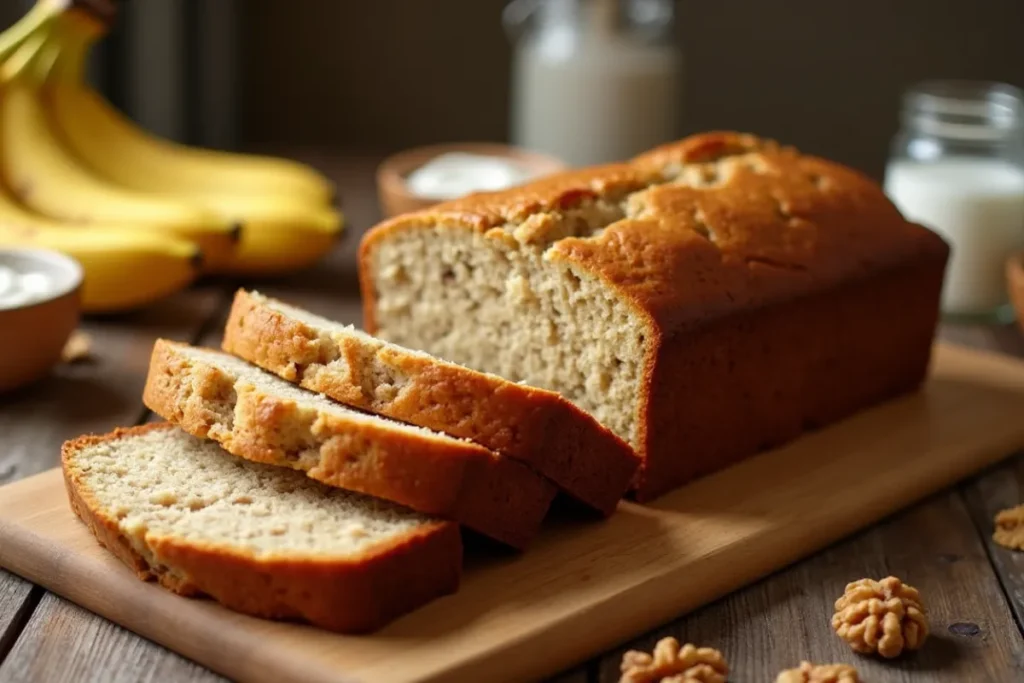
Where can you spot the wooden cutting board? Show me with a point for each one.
(585, 586)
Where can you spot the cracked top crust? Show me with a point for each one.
(696, 228)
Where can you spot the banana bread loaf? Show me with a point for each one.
(708, 299)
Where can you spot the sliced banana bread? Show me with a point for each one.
(261, 417)
(708, 299)
(536, 426)
(261, 540)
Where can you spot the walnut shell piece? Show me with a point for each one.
(1009, 531)
(819, 673)
(884, 616)
(672, 663)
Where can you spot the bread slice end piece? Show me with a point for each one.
(353, 590)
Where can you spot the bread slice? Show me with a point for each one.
(261, 417)
(536, 426)
(261, 540)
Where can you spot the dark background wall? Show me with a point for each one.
(825, 75)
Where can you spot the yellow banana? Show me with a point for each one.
(284, 231)
(46, 177)
(39, 17)
(125, 153)
(277, 240)
(124, 268)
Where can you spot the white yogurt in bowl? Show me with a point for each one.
(456, 174)
(23, 288)
(31, 276)
(39, 309)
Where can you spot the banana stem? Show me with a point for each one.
(22, 60)
(39, 16)
(75, 38)
(50, 21)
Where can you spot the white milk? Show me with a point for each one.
(978, 206)
(607, 106)
(590, 93)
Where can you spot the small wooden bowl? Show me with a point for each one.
(394, 195)
(32, 336)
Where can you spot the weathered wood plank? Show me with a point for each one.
(64, 642)
(1003, 486)
(1000, 488)
(578, 675)
(1002, 338)
(15, 608)
(774, 624)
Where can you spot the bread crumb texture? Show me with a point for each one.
(165, 483)
(819, 673)
(884, 616)
(247, 376)
(499, 307)
(672, 663)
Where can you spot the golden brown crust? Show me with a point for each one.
(457, 480)
(755, 230)
(354, 595)
(768, 225)
(762, 378)
(535, 426)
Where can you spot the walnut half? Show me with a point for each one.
(884, 616)
(1009, 531)
(819, 673)
(671, 663)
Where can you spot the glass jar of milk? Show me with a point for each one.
(594, 81)
(957, 166)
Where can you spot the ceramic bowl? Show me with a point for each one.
(32, 336)
(394, 195)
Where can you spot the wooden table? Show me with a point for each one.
(974, 589)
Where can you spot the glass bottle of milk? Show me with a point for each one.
(957, 166)
(594, 81)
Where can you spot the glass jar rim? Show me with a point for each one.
(965, 97)
(964, 109)
(964, 88)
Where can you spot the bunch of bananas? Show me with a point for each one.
(144, 216)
